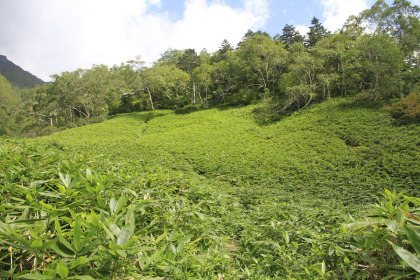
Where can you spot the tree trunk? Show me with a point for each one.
(150, 98)
(194, 92)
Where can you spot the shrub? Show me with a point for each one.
(406, 110)
(388, 245)
(187, 109)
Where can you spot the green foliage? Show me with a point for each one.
(210, 194)
(8, 108)
(406, 110)
(387, 243)
(18, 77)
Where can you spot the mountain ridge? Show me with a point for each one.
(17, 76)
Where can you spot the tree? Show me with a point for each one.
(302, 79)
(263, 59)
(400, 21)
(381, 62)
(187, 62)
(316, 32)
(225, 47)
(333, 54)
(169, 57)
(290, 36)
(125, 91)
(165, 85)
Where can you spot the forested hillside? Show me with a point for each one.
(18, 77)
(374, 56)
(8, 106)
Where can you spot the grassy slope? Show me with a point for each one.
(279, 191)
(350, 151)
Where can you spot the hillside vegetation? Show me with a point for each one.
(8, 105)
(18, 77)
(214, 194)
(375, 56)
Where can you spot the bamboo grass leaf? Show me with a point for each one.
(62, 270)
(411, 259)
(77, 233)
(413, 237)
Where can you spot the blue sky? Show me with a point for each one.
(280, 12)
(48, 37)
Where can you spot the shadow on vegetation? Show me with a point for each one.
(142, 117)
(362, 104)
(263, 119)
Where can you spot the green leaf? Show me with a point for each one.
(114, 229)
(62, 270)
(100, 201)
(155, 256)
(77, 233)
(62, 250)
(36, 243)
(392, 225)
(99, 187)
(61, 188)
(112, 205)
(63, 180)
(323, 267)
(408, 257)
(108, 232)
(90, 190)
(89, 248)
(35, 276)
(122, 253)
(414, 200)
(79, 261)
(125, 234)
(362, 224)
(95, 218)
(119, 204)
(129, 216)
(413, 237)
(48, 206)
(58, 227)
(81, 277)
(286, 237)
(113, 246)
(162, 236)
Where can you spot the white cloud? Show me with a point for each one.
(48, 36)
(206, 25)
(303, 29)
(336, 12)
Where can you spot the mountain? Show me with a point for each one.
(9, 100)
(16, 75)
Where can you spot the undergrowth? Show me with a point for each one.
(210, 195)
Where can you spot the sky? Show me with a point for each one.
(47, 37)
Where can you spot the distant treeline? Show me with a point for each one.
(375, 55)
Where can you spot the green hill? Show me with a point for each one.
(16, 75)
(9, 100)
(209, 195)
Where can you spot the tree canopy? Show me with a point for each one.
(375, 55)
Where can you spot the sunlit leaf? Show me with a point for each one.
(62, 270)
(411, 259)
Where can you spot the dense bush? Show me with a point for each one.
(406, 110)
